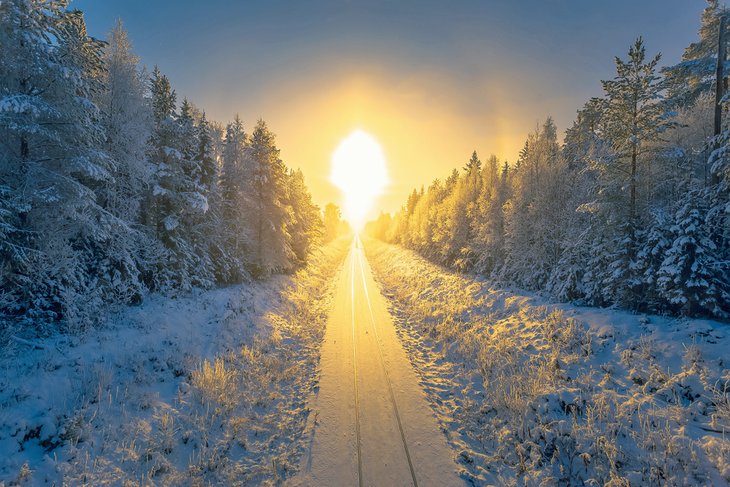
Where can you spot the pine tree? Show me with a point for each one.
(692, 90)
(583, 139)
(232, 175)
(693, 277)
(178, 202)
(266, 208)
(634, 115)
(695, 74)
(188, 144)
(488, 226)
(205, 156)
(332, 218)
(236, 230)
(51, 163)
(127, 121)
(463, 214)
(304, 226)
(164, 98)
(534, 234)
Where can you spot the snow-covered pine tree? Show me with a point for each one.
(693, 277)
(232, 175)
(468, 194)
(458, 213)
(176, 199)
(533, 231)
(440, 247)
(654, 241)
(304, 225)
(236, 229)
(195, 193)
(331, 220)
(420, 225)
(205, 156)
(409, 210)
(265, 204)
(52, 162)
(572, 278)
(188, 141)
(692, 91)
(716, 224)
(695, 74)
(127, 121)
(488, 226)
(226, 269)
(634, 116)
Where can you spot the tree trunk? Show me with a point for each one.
(260, 230)
(24, 150)
(632, 202)
(631, 291)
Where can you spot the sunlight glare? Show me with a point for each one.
(359, 171)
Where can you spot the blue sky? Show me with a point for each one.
(431, 80)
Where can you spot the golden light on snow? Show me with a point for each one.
(359, 171)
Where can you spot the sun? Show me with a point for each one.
(359, 171)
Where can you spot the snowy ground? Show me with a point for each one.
(209, 388)
(535, 393)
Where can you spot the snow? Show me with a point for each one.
(19, 104)
(170, 222)
(369, 404)
(206, 388)
(198, 202)
(533, 392)
(159, 191)
(90, 169)
(171, 152)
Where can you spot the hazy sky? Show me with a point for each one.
(431, 80)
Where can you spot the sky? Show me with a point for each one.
(430, 80)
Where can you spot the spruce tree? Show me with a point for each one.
(332, 218)
(51, 164)
(266, 205)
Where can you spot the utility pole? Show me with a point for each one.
(720, 83)
(720, 80)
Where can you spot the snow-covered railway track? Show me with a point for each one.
(385, 370)
(358, 439)
(371, 425)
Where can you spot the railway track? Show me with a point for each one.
(358, 251)
(372, 425)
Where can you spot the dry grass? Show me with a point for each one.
(213, 383)
(559, 404)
